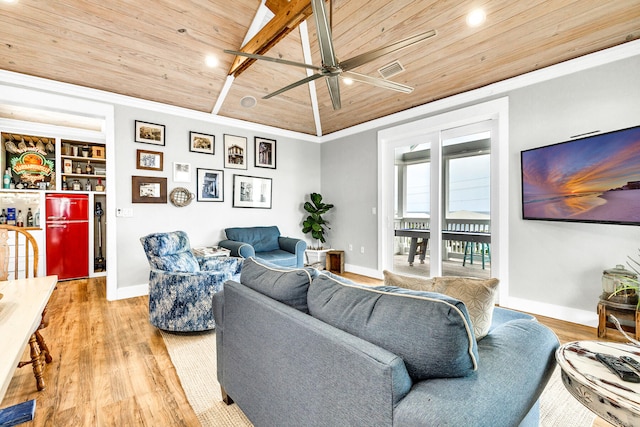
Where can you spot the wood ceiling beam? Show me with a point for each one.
(288, 15)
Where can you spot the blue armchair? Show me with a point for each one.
(265, 243)
(181, 286)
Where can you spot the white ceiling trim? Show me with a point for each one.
(223, 95)
(306, 53)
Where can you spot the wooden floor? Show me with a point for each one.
(111, 367)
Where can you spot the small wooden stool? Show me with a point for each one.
(625, 313)
(335, 261)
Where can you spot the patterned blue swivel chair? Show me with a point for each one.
(181, 286)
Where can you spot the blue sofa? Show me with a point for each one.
(296, 347)
(181, 285)
(265, 243)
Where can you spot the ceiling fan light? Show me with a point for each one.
(476, 18)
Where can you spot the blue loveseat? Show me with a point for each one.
(296, 347)
(265, 243)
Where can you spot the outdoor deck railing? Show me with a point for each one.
(453, 249)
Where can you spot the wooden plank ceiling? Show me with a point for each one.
(156, 49)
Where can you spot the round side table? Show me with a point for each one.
(595, 386)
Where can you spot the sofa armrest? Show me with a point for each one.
(516, 360)
(266, 363)
(231, 265)
(294, 246)
(238, 249)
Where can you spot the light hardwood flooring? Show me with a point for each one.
(111, 368)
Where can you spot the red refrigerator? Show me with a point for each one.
(67, 235)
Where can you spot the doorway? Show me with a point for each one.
(441, 198)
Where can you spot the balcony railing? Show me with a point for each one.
(452, 249)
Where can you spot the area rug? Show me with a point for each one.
(559, 408)
(194, 357)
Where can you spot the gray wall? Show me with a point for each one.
(559, 264)
(297, 174)
(562, 263)
(349, 181)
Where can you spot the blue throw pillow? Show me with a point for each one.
(286, 285)
(431, 332)
(263, 239)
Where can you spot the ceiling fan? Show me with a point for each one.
(331, 68)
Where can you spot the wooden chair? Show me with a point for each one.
(23, 253)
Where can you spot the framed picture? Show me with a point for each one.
(147, 189)
(235, 152)
(202, 143)
(149, 160)
(210, 185)
(265, 150)
(251, 192)
(181, 172)
(149, 133)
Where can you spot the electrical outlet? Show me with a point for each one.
(361, 249)
(124, 212)
(350, 247)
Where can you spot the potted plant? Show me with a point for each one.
(317, 226)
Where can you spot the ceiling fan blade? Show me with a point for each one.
(334, 91)
(377, 82)
(363, 58)
(323, 28)
(277, 60)
(292, 85)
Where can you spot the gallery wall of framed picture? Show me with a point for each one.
(265, 153)
(235, 152)
(252, 192)
(248, 191)
(149, 133)
(210, 185)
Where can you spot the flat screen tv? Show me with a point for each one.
(592, 179)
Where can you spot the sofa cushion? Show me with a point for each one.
(263, 239)
(431, 332)
(477, 294)
(284, 284)
(408, 282)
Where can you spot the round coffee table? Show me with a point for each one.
(597, 388)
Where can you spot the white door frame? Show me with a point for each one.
(498, 112)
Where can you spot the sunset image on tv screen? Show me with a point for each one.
(594, 179)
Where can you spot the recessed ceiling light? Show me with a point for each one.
(211, 61)
(248, 101)
(476, 17)
(347, 80)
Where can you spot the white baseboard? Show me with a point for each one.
(363, 271)
(568, 314)
(132, 291)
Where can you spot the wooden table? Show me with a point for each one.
(597, 388)
(458, 236)
(20, 315)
